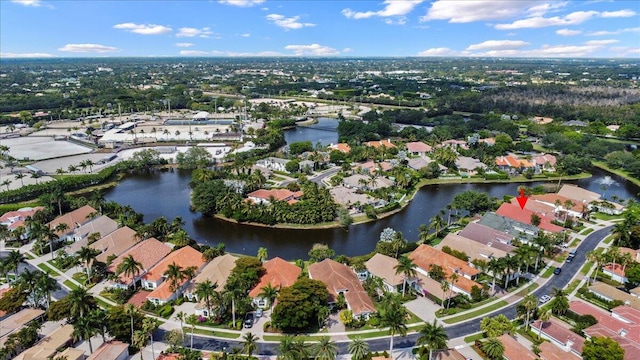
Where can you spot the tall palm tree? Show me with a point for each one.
(205, 291)
(453, 279)
(80, 302)
(529, 303)
(407, 268)
(6, 183)
(543, 317)
(433, 336)
(560, 303)
(270, 293)
(139, 340)
(394, 316)
(423, 234)
(325, 349)
(87, 255)
(150, 325)
(493, 348)
(436, 223)
(20, 176)
(359, 349)
(444, 286)
(287, 349)
(130, 267)
(84, 328)
(175, 274)
(14, 259)
(44, 286)
(249, 343)
(262, 254)
(132, 311)
(181, 316)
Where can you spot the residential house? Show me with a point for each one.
(447, 354)
(154, 279)
(488, 236)
(101, 225)
(422, 161)
(306, 165)
(115, 243)
(383, 267)
(559, 335)
(473, 249)
(511, 163)
(626, 334)
(418, 148)
(616, 272)
(342, 147)
(279, 274)
(635, 253)
(371, 167)
(13, 219)
(274, 164)
(148, 252)
(379, 143)
(341, 280)
(266, 196)
(578, 194)
(549, 200)
(115, 350)
(513, 350)
(217, 271)
(610, 293)
(524, 216)
(523, 231)
(349, 198)
(544, 162)
(548, 351)
(635, 292)
(607, 207)
(364, 182)
(469, 164)
(17, 321)
(50, 346)
(454, 144)
(72, 220)
(424, 256)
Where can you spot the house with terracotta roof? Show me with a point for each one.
(13, 219)
(148, 252)
(342, 147)
(578, 194)
(115, 350)
(418, 148)
(635, 253)
(424, 256)
(364, 182)
(616, 272)
(217, 271)
(350, 198)
(447, 354)
(50, 346)
(266, 196)
(154, 279)
(371, 167)
(72, 220)
(380, 143)
(512, 163)
(341, 280)
(576, 210)
(549, 351)
(383, 267)
(279, 273)
(514, 212)
(559, 335)
(102, 225)
(488, 236)
(473, 249)
(454, 144)
(115, 243)
(514, 350)
(544, 162)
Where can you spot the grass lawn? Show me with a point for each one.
(29, 256)
(478, 312)
(226, 335)
(303, 337)
(586, 267)
(103, 304)
(572, 286)
(608, 240)
(70, 284)
(601, 216)
(473, 338)
(548, 272)
(575, 242)
(370, 335)
(586, 231)
(47, 269)
(526, 291)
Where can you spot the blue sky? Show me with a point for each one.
(503, 28)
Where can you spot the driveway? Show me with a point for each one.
(423, 308)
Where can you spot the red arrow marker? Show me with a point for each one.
(522, 200)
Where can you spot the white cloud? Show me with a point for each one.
(442, 51)
(250, 54)
(568, 32)
(33, 3)
(143, 29)
(193, 32)
(573, 18)
(287, 23)
(193, 53)
(312, 49)
(542, 9)
(241, 3)
(399, 21)
(602, 42)
(615, 32)
(392, 8)
(480, 10)
(346, 50)
(88, 48)
(25, 55)
(498, 45)
(184, 44)
(245, 35)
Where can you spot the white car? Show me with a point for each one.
(544, 299)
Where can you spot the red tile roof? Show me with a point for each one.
(138, 299)
(279, 273)
(147, 252)
(578, 194)
(13, 219)
(508, 160)
(339, 278)
(513, 350)
(185, 257)
(514, 212)
(115, 243)
(418, 147)
(561, 334)
(548, 351)
(543, 159)
(72, 219)
(342, 147)
(278, 194)
(376, 144)
(614, 268)
(424, 256)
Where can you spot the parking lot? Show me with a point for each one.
(40, 148)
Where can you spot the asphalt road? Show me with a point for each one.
(454, 331)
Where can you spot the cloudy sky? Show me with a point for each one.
(502, 28)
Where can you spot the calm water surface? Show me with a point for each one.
(314, 135)
(167, 194)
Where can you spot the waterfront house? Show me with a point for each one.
(550, 200)
(474, 250)
(341, 280)
(364, 182)
(383, 267)
(558, 333)
(418, 148)
(469, 164)
(148, 252)
(217, 271)
(488, 236)
(350, 198)
(544, 162)
(578, 194)
(514, 212)
(273, 164)
(523, 231)
(342, 147)
(279, 274)
(156, 280)
(122, 239)
(511, 163)
(386, 143)
(266, 196)
(72, 220)
(101, 225)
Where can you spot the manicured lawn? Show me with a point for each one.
(70, 284)
(601, 216)
(586, 267)
(478, 312)
(586, 231)
(575, 242)
(608, 240)
(548, 272)
(572, 286)
(279, 337)
(370, 335)
(47, 269)
(226, 335)
(473, 338)
(29, 256)
(103, 304)
(527, 290)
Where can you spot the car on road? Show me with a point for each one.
(544, 299)
(248, 320)
(557, 271)
(569, 259)
(259, 313)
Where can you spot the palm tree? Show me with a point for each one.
(407, 268)
(325, 349)
(174, 274)
(437, 223)
(249, 343)
(270, 293)
(14, 259)
(139, 340)
(60, 171)
(6, 183)
(262, 254)
(495, 266)
(87, 255)
(598, 259)
(444, 286)
(433, 336)
(287, 349)
(130, 267)
(131, 310)
(20, 176)
(72, 169)
(423, 235)
(453, 279)
(149, 325)
(80, 302)
(359, 349)
(205, 291)
(181, 316)
(529, 303)
(44, 286)
(394, 316)
(84, 328)
(560, 303)
(543, 317)
(493, 348)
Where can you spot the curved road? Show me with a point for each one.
(454, 331)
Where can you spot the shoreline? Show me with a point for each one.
(363, 219)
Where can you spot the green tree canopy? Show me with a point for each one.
(602, 348)
(298, 306)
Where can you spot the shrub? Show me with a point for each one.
(374, 321)
(165, 311)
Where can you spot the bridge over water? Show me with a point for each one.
(323, 128)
